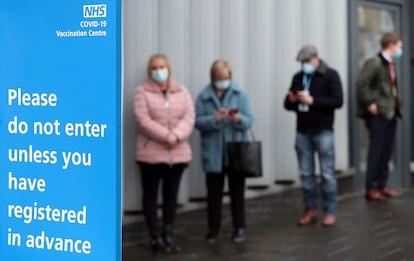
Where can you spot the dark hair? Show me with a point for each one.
(388, 39)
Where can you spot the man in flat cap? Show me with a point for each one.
(315, 93)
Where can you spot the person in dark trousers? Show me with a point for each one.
(379, 105)
(315, 93)
(223, 114)
(165, 116)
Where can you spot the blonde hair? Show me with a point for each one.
(218, 68)
(155, 57)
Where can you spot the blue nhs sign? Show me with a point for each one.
(94, 11)
(60, 182)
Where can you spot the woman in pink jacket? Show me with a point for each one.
(164, 112)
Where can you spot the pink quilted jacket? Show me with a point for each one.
(158, 114)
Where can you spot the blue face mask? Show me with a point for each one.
(160, 75)
(398, 54)
(222, 85)
(308, 68)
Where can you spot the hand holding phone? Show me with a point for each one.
(293, 95)
(305, 97)
(234, 115)
(234, 111)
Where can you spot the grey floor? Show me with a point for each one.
(365, 231)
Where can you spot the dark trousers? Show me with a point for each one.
(381, 141)
(151, 176)
(215, 186)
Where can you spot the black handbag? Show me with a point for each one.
(245, 158)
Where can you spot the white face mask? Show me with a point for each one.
(222, 85)
(308, 68)
(398, 54)
(160, 75)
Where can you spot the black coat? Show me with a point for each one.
(326, 90)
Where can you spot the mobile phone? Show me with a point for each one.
(233, 111)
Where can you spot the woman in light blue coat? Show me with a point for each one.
(223, 115)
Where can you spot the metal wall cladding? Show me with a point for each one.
(261, 39)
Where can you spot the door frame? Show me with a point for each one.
(411, 62)
(403, 152)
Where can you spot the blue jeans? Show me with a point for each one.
(323, 144)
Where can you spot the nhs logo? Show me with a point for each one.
(94, 11)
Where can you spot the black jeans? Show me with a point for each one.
(381, 141)
(151, 175)
(215, 186)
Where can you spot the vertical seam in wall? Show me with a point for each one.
(405, 19)
(218, 49)
(156, 25)
(299, 23)
(324, 24)
(187, 44)
(274, 45)
(246, 33)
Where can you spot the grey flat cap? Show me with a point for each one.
(307, 52)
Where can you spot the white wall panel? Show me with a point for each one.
(233, 36)
(312, 23)
(173, 40)
(287, 40)
(204, 48)
(139, 43)
(260, 39)
(259, 84)
(336, 54)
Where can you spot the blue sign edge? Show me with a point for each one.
(118, 173)
(119, 70)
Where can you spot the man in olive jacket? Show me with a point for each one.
(379, 105)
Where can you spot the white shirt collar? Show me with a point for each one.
(387, 57)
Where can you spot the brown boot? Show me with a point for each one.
(308, 218)
(390, 193)
(374, 195)
(329, 220)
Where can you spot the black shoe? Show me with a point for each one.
(158, 245)
(211, 238)
(169, 240)
(238, 235)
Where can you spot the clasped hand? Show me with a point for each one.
(172, 139)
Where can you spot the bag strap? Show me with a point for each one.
(252, 134)
(251, 131)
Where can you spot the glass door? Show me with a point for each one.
(369, 21)
(373, 22)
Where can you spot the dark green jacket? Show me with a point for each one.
(374, 86)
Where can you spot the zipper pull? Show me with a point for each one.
(167, 101)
